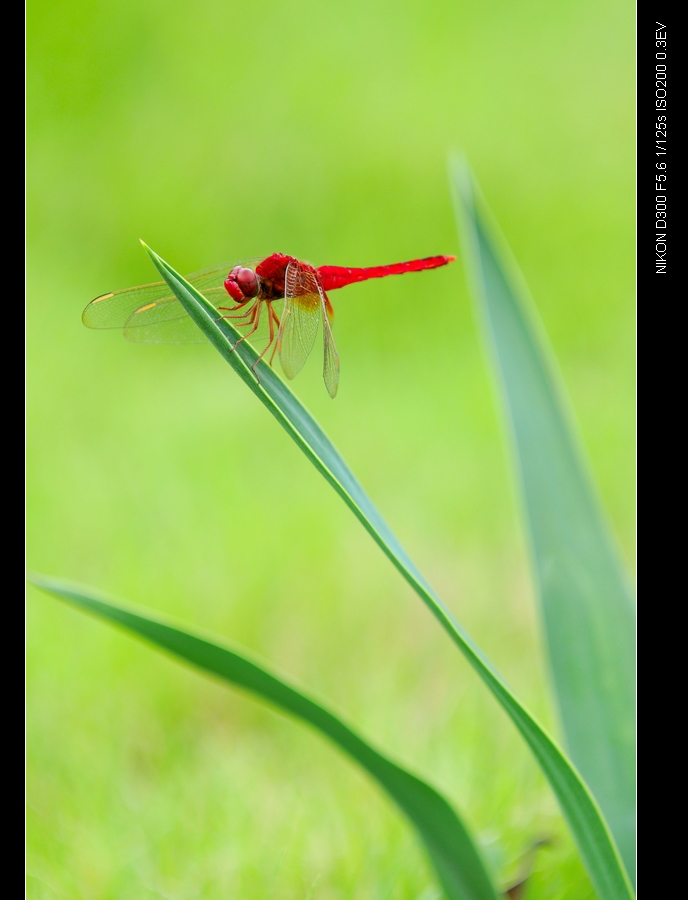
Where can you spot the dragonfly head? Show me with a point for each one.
(241, 284)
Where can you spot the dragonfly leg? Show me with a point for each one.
(243, 315)
(271, 315)
(233, 308)
(251, 317)
(276, 319)
(250, 313)
(254, 320)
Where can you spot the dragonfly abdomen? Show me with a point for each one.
(333, 277)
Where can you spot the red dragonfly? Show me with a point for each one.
(152, 314)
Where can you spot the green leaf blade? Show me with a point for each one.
(448, 842)
(588, 827)
(584, 597)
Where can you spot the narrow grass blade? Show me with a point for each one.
(448, 842)
(580, 809)
(584, 596)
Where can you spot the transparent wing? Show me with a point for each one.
(163, 322)
(331, 357)
(300, 318)
(147, 313)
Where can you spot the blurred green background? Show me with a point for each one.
(217, 130)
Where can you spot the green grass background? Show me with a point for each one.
(220, 130)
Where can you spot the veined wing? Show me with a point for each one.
(150, 313)
(300, 318)
(165, 321)
(331, 357)
(113, 310)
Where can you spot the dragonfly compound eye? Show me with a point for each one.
(247, 281)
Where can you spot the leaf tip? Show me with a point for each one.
(34, 577)
(153, 256)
